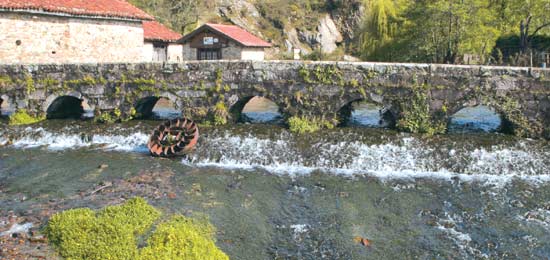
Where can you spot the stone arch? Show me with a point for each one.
(157, 107)
(505, 125)
(64, 107)
(237, 106)
(5, 106)
(387, 114)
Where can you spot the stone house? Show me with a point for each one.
(81, 31)
(160, 43)
(222, 42)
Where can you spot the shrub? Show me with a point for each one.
(416, 117)
(302, 124)
(21, 117)
(183, 238)
(114, 232)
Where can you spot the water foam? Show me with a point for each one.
(406, 158)
(39, 137)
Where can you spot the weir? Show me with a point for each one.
(217, 90)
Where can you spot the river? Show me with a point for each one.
(277, 195)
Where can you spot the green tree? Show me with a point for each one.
(528, 18)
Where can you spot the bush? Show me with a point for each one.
(114, 232)
(183, 238)
(21, 117)
(416, 117)
(304, 125)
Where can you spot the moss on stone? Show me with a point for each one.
(5, 81)
(220, 114)
(303, 124)
(328, 75)
(183, 238)
(22, 117)
(114, 232)
(416, 116)
(29, 84)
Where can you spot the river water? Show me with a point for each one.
(276, 195)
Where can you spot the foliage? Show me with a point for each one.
(398, 30)
(114, 232)
(303, 124)
(416, 116)
(328, 75)
(183, 238)
(22, 117)
(220, 114)
(109, 234)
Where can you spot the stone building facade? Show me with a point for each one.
(222, 42)
(82, 31)
(38, 38)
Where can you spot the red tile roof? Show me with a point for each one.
(155, 31)
(236, 33)
(104, 8)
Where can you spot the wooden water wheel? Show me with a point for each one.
(174, 137)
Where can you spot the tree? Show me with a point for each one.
(530, 17)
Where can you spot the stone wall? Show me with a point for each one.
(232, 51)
(33, 38)
(188, 52)
(311, 89)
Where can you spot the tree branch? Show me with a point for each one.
(538, 29)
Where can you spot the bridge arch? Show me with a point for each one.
(367, 112)
(157, 107)
(66, 107)
(478, 115)
(5, 106)
(254, 108)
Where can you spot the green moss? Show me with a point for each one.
(302, 124)
(114, 232)
(108, 234)
(226, 88)
(29, 84)
(220, 114)
(416, 116)
(328, 75)
(21, 117)
(183, 238)
(353, 83)
(5, 81)
(109, 117)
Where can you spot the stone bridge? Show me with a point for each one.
(218, 90)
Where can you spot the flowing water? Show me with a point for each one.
(276, 195)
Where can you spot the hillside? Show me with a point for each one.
(313, 26)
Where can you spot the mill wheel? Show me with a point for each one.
(174, 137)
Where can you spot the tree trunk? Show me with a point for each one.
(524, 35)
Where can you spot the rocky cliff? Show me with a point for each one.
(317, 27)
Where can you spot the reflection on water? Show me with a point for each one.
(261, 110)
(165, 109)
(368, 115)
(475, 119)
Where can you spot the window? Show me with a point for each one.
(209, 54)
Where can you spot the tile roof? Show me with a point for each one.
(234, 32)
(103, 8)
(155, 31)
